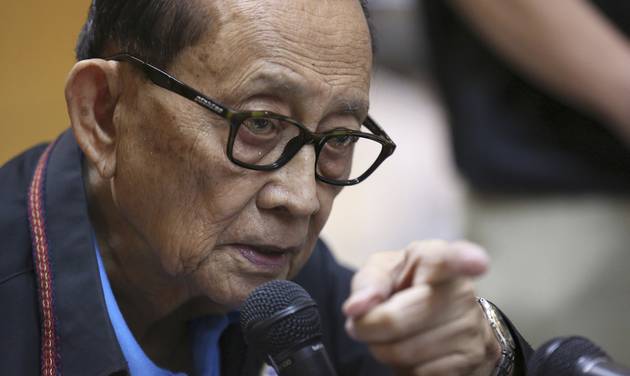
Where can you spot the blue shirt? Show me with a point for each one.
(205, 331)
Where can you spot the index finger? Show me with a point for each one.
(374, 282)
(438, 262)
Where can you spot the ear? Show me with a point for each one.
(92, 91)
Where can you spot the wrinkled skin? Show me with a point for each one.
(170, 210)
(417, 311)
(173, 216)
(193, 204)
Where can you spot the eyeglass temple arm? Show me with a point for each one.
(377, 130)
(168, 82)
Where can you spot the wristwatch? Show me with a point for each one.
(502, 333)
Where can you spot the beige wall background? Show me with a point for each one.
(36, 53)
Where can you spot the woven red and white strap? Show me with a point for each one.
(50, 354)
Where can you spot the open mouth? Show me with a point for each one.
(266, 257)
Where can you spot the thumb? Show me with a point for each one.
(374, 282)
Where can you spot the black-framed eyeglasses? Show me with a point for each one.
(263, 140)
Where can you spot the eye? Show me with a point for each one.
(261, 130)
(260, 126)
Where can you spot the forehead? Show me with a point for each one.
(300, 46)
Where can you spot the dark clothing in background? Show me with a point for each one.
(511, 136)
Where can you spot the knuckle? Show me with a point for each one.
(470, 362)
(473, 326)
(472, 333)
(459, 365)
(476, 356)
(476, 323)
(468, 320)
(360, 330)
(394, 354)
(473, 350)
(492, 349)
(391, 323)
(404, 354)
(467, 290)
(381, 353)
(462, 294)
(469, 332)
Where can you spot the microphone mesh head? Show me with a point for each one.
(282, 333)
(559, 357)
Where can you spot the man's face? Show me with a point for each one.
(216, 227)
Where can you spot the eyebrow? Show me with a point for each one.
(274, 82)
(353, 106)
(285, 85)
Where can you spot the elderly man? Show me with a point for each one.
(209, 140)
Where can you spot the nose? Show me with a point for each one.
(293, 187)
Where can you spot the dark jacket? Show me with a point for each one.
(510, 134)
(87, 343)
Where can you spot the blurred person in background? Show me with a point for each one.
(538, 100)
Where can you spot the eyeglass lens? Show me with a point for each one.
(264, 141)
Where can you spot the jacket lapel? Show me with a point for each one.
(88, 345)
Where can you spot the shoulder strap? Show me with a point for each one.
(50, 354)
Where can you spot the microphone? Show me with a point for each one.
(281, 319)
(573, 356)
